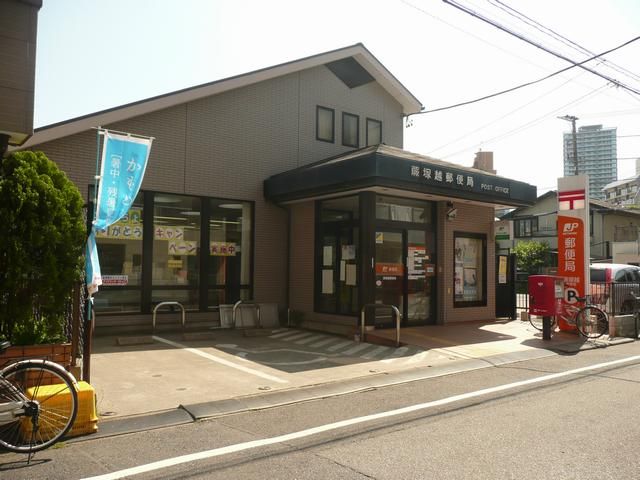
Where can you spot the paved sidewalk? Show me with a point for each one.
(174, 380)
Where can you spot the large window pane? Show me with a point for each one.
(469, 269)
(337, 256)
(350, 126)
(229, 250)
(176, 247)
(120, 253)
(325, 119)
(339, 209)
(403, 209)
(374, 132)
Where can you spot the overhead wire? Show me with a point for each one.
(504, 116)
(528, 124)
(520, 36)
(526, 84)
(557, 36)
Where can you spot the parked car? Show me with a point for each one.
(612, 284)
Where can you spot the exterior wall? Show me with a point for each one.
(226, 145)
(470, 219)
(611, 221)
(18, 28)
(301, 256)
(319, 86)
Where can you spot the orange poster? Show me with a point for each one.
(570, 266)
(390, 269)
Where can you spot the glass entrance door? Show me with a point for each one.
(390, 273)
(418, 282)
(404, 276)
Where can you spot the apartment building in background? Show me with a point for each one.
(597, 157)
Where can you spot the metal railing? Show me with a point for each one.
(166, 304)
(245, 302)
(396, 313)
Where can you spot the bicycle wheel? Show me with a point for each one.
(592, 322)
(536, 322)
(50, 404)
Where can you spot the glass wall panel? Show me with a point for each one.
(176, 247)
(229, 250)
(339, 209)
(469, 269)
(120, 253)
(337, 256)
(403, 209)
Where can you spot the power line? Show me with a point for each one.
(557, 36)
(503, 116)
(528, 124)
(537, 45)
(517, 87)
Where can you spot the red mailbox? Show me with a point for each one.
(545, 295)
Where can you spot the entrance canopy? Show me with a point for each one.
(385, 167)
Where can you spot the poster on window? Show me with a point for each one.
(223, 249)
(416, 256)
(470, 289)
(168, 233)
(182, 247)
(468, 269)
(348, 252)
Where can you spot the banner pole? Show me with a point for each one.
(93, 213)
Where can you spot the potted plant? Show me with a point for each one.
(41, 252)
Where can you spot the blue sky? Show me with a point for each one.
(95, 55)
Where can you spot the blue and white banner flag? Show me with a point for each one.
(92, 267)
(124, 160)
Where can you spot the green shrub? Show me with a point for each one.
(41, 247)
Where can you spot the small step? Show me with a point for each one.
(137, 340)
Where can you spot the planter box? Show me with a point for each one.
(57, 352)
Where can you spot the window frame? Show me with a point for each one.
(357, 142)
(333, 124)
(483, 252)
(520, 221)
(373, 120)
(147, 287)
(335, 228)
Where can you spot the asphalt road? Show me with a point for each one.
(511, 421)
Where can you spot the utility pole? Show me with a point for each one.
(572, 119)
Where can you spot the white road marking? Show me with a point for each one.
(285, 334)
(323, 342)
(307, 340)
(217, 452)
(357, 348)
(338, 346)
(373, 354)
(300, 335)
(221, 361)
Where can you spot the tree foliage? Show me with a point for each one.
(532, 256)
(41, 247)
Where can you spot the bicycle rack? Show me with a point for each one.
(245, 302)
(164, 304)
(396, 313)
